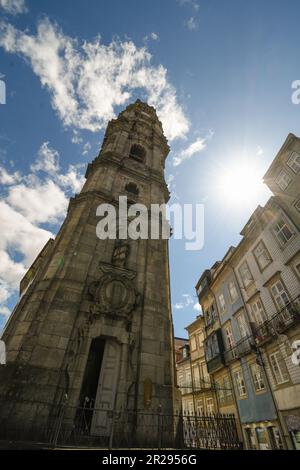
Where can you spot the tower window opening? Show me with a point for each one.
(137, 152)
(132, 189)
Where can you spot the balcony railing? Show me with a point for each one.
(244, 346)
(288, 316)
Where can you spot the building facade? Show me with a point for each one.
(193, 380)
(85, 327)
(251, 308)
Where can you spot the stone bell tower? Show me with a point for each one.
(93, 324)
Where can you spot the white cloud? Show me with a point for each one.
(45, 202)
(154, 36)
(195, 147)
(186, 302)
(5, 311)
(193, 3)
(86, 148)
(47, 160)
(197, 307)
(31, 200)
(191, 23)
(73, 179)
(88, 80)
(13, 7)
(19, 234)
(9, 178)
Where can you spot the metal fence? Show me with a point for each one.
(141, 429)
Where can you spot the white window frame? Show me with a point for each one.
(276, 360)
(229, 335)
(283, 180)
(200, 406)
(294, 162)
(233, 291)
(240, 383)
(258, 312)
(244, 267)
(242, 324)
(258, 378)
(280, 294)
(222, 303)
(210, 405)
(261, 251)
(280, 233)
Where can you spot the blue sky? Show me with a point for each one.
(219, 72)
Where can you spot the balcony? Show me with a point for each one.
(217, 362)
(243, 347)
(280, 322)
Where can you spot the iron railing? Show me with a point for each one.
(243, 347)
(288, 316)
(141, 429)
(75, 427)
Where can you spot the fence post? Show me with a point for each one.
(111, 437)
(159, 427)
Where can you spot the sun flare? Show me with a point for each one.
(240, 184)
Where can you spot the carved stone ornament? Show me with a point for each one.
(114, 293)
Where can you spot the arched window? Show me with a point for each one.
(132, 189)
(137, 152)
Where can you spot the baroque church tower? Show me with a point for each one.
(93, 325)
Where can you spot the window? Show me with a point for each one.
(251, 441)
(132, 189)
(294, 162)
(258, 312)
(297, 204)
(137, 152)
(262, 438)
(211, 347)
(242, 324)
(240, 383)
(193, 343)
(283, 180)
(297, 267)
(210, 405)
(280, 295)
(283, 231)
(200, 409)
(196, 377)
(257, 376)
(222, 303)
(188, 380)
(279, 368)
(191, 408)
(275, 438)
(232, 291)
(184, 352)
(262, 255)
(245, 274)
(205, 375)
(229, 336)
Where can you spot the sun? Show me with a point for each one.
(240, 184)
